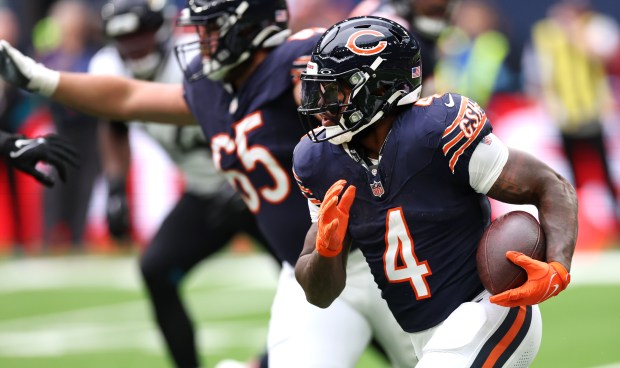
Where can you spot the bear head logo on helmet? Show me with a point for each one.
(361, 69)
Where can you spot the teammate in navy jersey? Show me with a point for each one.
(243, 90)
(209, 212)
(406, 181)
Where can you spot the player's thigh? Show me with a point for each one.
(363, 294)
(304, 336)
(484, 334)
(188, 235)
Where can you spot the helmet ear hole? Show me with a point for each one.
(356, 78)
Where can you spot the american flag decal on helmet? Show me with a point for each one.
(281, 15)
(416, 72)
(377, 188)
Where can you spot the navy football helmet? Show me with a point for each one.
(139, 29)
(360, 70)
(230, 32)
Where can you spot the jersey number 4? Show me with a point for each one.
(399, 259)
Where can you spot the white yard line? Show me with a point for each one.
(127, 326)
(219, 287)
(226, 271)
(109, 336)
(218, 305)
(121, 272)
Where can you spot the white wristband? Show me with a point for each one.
(44, 80)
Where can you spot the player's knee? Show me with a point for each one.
(148, 270)
(156, 273)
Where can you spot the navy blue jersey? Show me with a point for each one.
(253, 133)
(415, 216)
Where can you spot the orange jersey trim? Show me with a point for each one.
(455, 122)
(470, 140)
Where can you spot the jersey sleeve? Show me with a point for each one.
(313, 203)
(299, 65)
(487, 163)
(466, 124)
(303, 174)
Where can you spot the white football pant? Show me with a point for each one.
(302, 335)
(481, 334)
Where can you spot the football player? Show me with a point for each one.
(25, 154)
(209, 212)
(406, 181)
(243, 90)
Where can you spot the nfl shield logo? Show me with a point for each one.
(377, 188)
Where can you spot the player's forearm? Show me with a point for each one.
(322, 278)
(527, 180)
(557, 212)
(120, 98)
(103, 96)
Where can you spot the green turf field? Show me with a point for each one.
(90, 311)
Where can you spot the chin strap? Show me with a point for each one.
(276, 39)
(214, 70)
(348, 135)
(411, 97)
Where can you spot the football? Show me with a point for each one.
(518, 231)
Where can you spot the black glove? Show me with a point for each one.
(24, 154)
(117, 210)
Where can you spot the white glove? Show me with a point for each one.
(25, 73)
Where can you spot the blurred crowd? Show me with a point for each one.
(552, 90)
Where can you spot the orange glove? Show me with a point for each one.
(544, 280)
(334, 219)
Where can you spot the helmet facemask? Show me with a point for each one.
(141, 52)
(352, 101)
(140, 31)
(374, 65)
(230, 32)
(329, 97)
